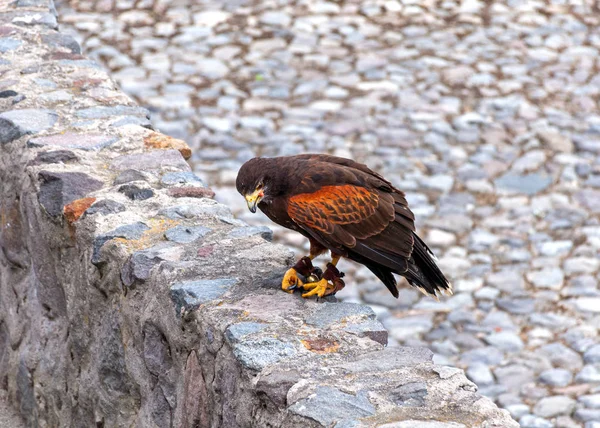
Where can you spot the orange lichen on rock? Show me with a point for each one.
(321, 345)
(157, 140)
(150, 236)
(75, 209)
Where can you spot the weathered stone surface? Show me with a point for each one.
(102, 112)
(104, 207)
(372, 329)
(186, 234)
(58, 189)
(129, 231)
(136, 193)
(13, 228)
(196, 211)
(259, 353)
(276, 385)
(16, 123)
(196, 406)
(129, 175)
(237, 332)
(331, 313)
(157, 352)
(74, 141)
(25, 394)
(188, 178)
(244, 232)
(55, 156)
(410, 394)
(161, 141)
(187, 296)
(395, 357)
(75, 209)
(62, 40)
(191, 192)
(330, 405)
(139, 266)
(8, 94)
(9, 44)
(150, 161)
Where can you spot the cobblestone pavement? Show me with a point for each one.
(485, 113)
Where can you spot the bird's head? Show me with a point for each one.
(254, 182)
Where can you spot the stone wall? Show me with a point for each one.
(128, 297)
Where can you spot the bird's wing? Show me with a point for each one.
(373, 223)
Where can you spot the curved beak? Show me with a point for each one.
(254, 199)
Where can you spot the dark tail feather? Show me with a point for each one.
(423, 272)
(386, 276)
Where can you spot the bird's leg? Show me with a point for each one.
(290, 280)
(330, 283)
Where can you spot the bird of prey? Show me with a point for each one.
(344, 207)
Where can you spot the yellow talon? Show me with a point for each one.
(291, 281)
(320, 288)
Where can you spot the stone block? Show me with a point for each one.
(58, 189)
(189, 295)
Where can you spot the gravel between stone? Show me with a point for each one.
(485, 113)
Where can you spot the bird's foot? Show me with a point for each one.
(291, 281)
(330, 283)
(320, 288)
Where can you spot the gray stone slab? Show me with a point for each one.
(139, 265)
(174, 178)
(102, 112)
(55, 156)
(245, 232)
(132, 120)
(58, 189)
(136, 193)
(196, 211)
(329, 405)
(331, 313)
(237, 332)
(74, 140)
(129, 231)
(130, 175)
(389, 359)
(8, 44)
(62, 40)
(189, 295)
(370, 328)
(104, 207)
(149, 161)
(16, 123)
(186, 234)
(260, 353)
